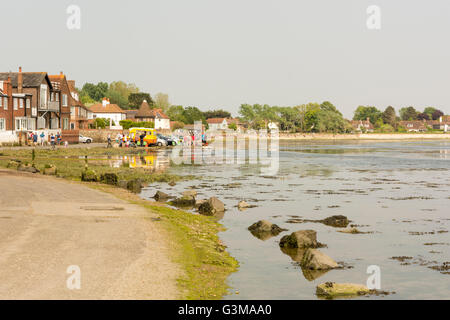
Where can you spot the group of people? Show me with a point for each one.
(42, 139)
(124, 140)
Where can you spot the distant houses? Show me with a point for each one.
(157, 116)
(106, 110)
(362, 125)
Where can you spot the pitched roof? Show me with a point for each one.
(414, 124)
(29, 79)
(144, 111)
(109, 108)
(215, 120)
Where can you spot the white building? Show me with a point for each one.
(108, 111)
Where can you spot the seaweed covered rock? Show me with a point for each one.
(134, 185)
(184, 201)
(50, 170)
(313, 259)
(339, 221)
(300, 239)
(264, 229)
(28, 168)
(109, 178)
(332, 290)
(211, 207)
(89, 176)
(161, 196)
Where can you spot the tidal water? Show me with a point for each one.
(396, 192)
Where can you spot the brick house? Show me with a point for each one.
(414, 125)
(79, 113)
(157, 116)
(362, 125)
(31, 106)
(61, 95)
(6, 115)
(217, 124)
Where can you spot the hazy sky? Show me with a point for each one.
(220, 54)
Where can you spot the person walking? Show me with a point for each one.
(141, 138)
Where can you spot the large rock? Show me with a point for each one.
(50, 170)
(109, 178)
(184, 201)
(243, 205)
(161, 196)
(336, 221)
(300, 239)
(265, 226)
(135, 185)
(28, 168)
(332, 290)
(211, 207)
(190, 193)
(89, 176)
(313, 259)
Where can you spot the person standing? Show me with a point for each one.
(42, 136)
(58, 138)
(35, 136)
(52, 141)
(109, 141)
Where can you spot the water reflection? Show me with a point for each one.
(297, 256)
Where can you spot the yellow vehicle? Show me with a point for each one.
(150, 135)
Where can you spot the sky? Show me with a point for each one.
(222, 53)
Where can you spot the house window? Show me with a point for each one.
(43, 96)
(72, 111)
(65, 123)
(52, 96)
(2, 124)
(16, 104)
(57, 97)
(5, 105)
(21, 103)
(64, 100)
(28, 103)
(72, 126)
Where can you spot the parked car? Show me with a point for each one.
(161, 140)
(83, 139)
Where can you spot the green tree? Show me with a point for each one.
(437, 114)
(389, 116)
(192, 114)
(135, 99)
(409, 113)
(95, 91)
(216, 114)
(364, 112)
(429, 111)
(162, 101)
(175, 113)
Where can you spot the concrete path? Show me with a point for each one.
(48, 225)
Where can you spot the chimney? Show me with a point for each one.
(105, 102)
(19, 81)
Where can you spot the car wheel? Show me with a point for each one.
(159, 144)
(88, 141)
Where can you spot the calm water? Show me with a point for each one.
(397, 191)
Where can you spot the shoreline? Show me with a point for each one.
(192, 240)
(364, 136)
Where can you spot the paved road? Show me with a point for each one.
(48, 224)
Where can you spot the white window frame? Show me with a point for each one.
(64, 100)
(43, 96)
(16, 104)
(2, 124)
(65, 123)
(21, 103)
(28, 103)
(5, 105)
